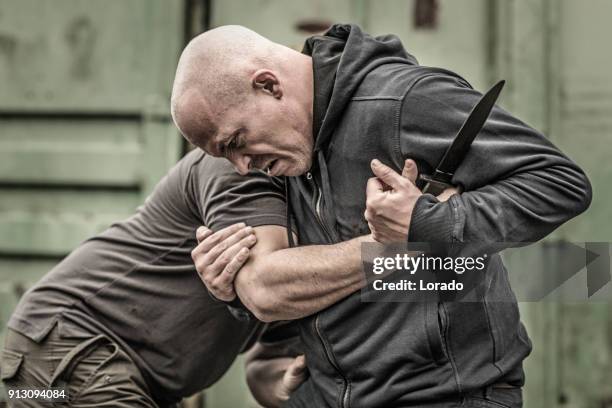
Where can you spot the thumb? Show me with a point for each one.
(410, 170)
(202, 233)
(386, 174)
(297, 366)
(294, 376)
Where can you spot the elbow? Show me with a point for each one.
(262, 308)
(572, 188)
(258, 298)
(584, 195)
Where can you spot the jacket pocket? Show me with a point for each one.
(435, 326)
(9, 364)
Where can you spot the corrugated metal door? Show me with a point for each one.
(556, 55)
(85, 130)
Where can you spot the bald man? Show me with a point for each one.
(348, 107)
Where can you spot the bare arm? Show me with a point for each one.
(277, 282)
(292, 283)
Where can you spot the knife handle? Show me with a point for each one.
(432, 186)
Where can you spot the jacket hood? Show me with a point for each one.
(342, 57)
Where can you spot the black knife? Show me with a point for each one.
(454, 155)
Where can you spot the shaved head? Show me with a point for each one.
(217, 64)
(231, 80)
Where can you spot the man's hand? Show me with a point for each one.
(220, 255)
(390, 200)
(273, 374)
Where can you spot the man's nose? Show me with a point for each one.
(242, 164)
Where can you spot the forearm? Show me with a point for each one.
(292, 283)
(518, 187)
(520, 209)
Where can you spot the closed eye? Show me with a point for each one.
(233, 144)
(230, 147)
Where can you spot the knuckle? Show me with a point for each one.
(223, 260)
(204, 260)
(208, 282)
(223, 283)
(228, 275)
(222, 246)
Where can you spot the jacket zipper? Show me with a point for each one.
(318, 214)
(330, 359)
(328, 352)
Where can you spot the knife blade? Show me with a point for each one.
(442, 176)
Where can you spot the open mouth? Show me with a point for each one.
(271, 167)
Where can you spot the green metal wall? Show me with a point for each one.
(557, 57)
(85, 131)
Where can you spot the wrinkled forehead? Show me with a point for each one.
(195, 118)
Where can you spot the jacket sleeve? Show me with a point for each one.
(518, 186)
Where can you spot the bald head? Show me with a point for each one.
(232, 81)
(216, 66)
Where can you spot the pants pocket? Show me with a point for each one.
(79, 366)
(10, 362)
(435, 327)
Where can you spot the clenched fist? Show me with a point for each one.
(391, 198)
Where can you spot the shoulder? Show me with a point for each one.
(398, 80)
(219, 174)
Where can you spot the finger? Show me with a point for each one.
(202, 233)
(410, 170)
(214, 246)
(232, 259)
(221, 235)
(296, 368)
(229, 273)
(386, 174)
(294, 375)
(222, 253)
(446, 194)
(374, 187)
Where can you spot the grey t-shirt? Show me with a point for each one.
(136, 281)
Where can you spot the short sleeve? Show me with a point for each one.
(224, 197)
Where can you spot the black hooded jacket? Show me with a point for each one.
(373, 100)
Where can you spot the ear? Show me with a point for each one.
(268, 82)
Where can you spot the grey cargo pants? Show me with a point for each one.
(94, 372)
